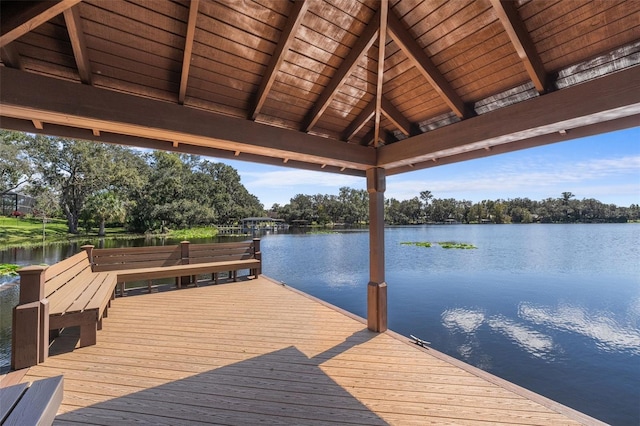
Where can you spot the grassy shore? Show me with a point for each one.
(28, 232)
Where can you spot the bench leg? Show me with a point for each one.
(149, 286)
(88, 333)
(235, 276)
(215, 274)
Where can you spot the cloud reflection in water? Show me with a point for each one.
(468, 321)
(607, 333)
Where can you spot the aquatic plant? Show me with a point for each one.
(417, 244)
(9, 269)
(454, 245)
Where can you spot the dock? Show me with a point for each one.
(257, 351)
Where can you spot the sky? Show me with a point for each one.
(605, 167)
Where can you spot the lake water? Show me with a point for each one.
(552, 308)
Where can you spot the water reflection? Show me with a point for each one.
(601, 326)
(469, 321)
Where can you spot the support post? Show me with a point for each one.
(89, 249)
(377, 288)
(184, 254)
(257, 254)
(30, 333)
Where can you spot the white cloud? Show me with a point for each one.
(532, 178)
(299, 178)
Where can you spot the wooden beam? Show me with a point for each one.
(74, 27)
(365, 41)
(362, 119)
(580, 132)
(11, 57)
(88, 107)
(19, 17)
(286, 38)
(606, 98)
(37, 124)
(423, 63)
(119, 139)
(396, 117)
(188, 47)
(508, 14)
(382, 41)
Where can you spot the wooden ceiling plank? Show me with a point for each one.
(18, 18)
(362, 119)
(188, 49)
(363, 44)
(286, 39)
(606, 98)
(426, 67)
(521, 40)
(382, 43)
(90, 107)
(76, 34)
(396, 117)
(11, 57)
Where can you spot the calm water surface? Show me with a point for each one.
(553, 308)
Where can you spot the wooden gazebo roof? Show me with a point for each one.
(333, 85)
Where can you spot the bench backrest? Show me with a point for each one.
(67, 273)
(219, 252)
(135, 257)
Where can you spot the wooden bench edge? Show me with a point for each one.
(39, 403)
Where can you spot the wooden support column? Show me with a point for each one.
(89, 249)
(184, 254)
(377, 288)
(258, 255)
(30, 333)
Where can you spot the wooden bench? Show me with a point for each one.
(184, 261)
(31, 404)
(65, 294)
(78, 291)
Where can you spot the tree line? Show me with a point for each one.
(351, 207)
(94, 184)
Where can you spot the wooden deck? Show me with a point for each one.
(258, 352)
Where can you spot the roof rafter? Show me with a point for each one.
(521, 40)
(188, 47)
(396, 117)
(614, 96)
(286, 38)
(427, 68)
(74, 27)
(362, 119)
(11, 57)
(18, 18)
(382, 42)
(365, 41)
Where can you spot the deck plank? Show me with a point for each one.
(258, 352)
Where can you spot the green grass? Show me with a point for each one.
(27, 232)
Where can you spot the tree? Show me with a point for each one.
(105, 206)
(78, 169)
(15, 167)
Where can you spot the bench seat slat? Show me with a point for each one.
(9, 397)
(64, 265)
(61, 300)
(183, 270)
(54, 283)
(39, 403)
(89, 298)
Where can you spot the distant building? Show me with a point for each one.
(13, 202)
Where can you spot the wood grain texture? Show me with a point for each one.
(259, 351)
